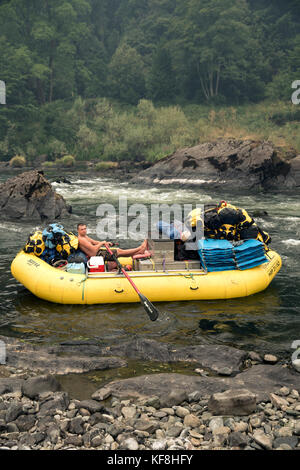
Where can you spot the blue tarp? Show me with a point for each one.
(222, 255)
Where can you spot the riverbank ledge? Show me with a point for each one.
(254, 406)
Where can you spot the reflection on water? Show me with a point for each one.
(242, 321)
(268, 321)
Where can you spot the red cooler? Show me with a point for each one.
(96, 264)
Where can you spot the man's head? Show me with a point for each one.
(81, 229)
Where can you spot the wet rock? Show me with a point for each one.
(30, 195)
(240, 163)
(54, 360)
(222, 360)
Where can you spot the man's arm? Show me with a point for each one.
(95, 242)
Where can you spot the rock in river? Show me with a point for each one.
(238, 164)
(30, 195)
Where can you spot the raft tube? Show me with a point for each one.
(55, 285)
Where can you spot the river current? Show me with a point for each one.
(265, 322)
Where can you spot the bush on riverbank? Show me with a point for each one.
(17, 162)
(99, 129)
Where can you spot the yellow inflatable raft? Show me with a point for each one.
(54, 285)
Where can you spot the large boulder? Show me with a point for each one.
(242, 164)
(30, 196)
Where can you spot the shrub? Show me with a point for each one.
(66, 161)
(48, 164)
(106, 166)
(18, 161)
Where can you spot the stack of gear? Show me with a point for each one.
(223, 255)
(53, 244)
(226, 222)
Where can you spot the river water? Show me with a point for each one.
(265, 322)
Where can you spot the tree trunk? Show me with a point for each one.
(218, 79)
(51, 78)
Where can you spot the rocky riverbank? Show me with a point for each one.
(39, 416)
(252, 403)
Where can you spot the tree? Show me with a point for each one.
(126, 80)
(214, 36)
(161, 83)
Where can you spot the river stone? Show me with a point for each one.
(159, 444)
(215, 423)
(181, 411)
(232, 402)
(150, 401)
(102, 394)
(76, 425)
(263, 440)
(270, 359)
(237, 439)
(278, 402)
(173, 430)
(297, 428)
(147, 425)
(14, 410)
(25, 422)
(191, 421)
(53, 432)
(292, 441)
(11, 385)
(93, 406)
(130, 444)
(129, 412)
(59, 401)
(73, 441)
(33, 386)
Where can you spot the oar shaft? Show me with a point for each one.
(150, 309)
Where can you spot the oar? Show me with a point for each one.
(148, 306)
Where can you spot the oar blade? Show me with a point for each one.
(149, 307)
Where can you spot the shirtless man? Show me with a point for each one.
(92, 247)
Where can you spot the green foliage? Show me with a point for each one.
(106, 166)
(67, 161)
(80, 74)
(126, 75)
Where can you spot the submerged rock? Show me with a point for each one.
(30, 195)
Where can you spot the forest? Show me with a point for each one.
(136, 79)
